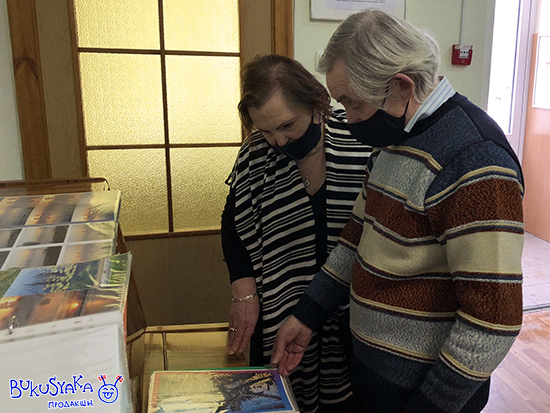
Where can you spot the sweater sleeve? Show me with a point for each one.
(235, 253)
(330, 288)
(476, 213)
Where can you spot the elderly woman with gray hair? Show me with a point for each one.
(431, 256)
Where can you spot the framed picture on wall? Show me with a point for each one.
(340, 9)
(541, 97)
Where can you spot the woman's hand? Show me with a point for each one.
(244, 314)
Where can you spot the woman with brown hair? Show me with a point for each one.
(293, 187)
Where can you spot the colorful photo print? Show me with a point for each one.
(41, 308)
(8, 237)
(221, 391)
(6, 280)
(32, 257)
(87, 252)
(54, 209)
(98, 206)
(93, 231)
(42, 235)
(3, 257)
(14, 211)
(57, 278)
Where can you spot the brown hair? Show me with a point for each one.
(261, 77)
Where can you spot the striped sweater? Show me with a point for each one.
(274, 219)
(431, 262)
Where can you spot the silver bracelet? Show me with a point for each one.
(248, 297)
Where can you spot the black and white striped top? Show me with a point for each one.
(274, 219)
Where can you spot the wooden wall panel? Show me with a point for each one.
(54, 35)
(536, 162)
(29, 89)
(255, 37)
(282, 23)
(182, 280)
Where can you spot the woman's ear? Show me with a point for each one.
(317, 116)
(403, 86)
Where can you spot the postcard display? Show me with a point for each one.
(223, 390)
(62, 302)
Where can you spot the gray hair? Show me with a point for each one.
(374, 46)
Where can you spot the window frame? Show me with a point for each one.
(278, 11)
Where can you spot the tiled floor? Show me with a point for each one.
(536, 273)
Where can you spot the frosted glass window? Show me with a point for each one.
(203, 93)
(119, 24)
(141, 176)
(198, 185)
(202, 25)
(122, 99)
(123, 104)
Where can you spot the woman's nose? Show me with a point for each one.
(281, 139)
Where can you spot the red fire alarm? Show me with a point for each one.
(462, 55)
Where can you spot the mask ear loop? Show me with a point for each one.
(386, 95)
(384, 101)
(407, 107)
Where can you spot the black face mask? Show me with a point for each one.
(380, 130)
(299, 148)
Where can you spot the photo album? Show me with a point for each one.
(220, 391)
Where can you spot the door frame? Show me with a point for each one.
(528, 18)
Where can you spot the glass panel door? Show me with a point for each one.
(509, 68)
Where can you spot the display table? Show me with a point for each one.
(63, 298)
(182, 347)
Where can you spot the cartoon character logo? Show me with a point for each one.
(108, 393)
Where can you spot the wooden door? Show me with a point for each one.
(536, 157)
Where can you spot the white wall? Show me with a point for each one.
(543, 17)
(11, 165)
(440, 18)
